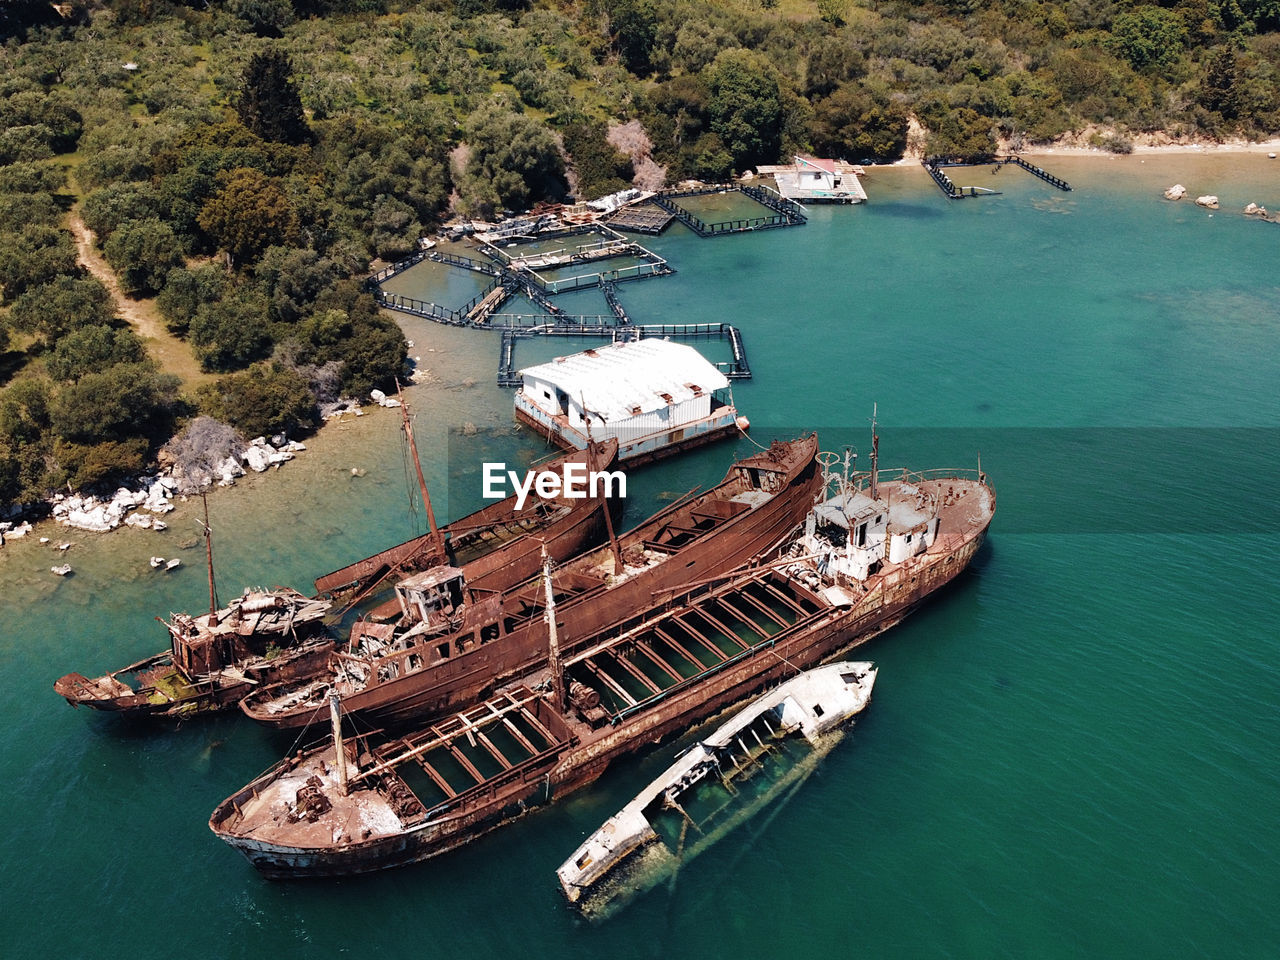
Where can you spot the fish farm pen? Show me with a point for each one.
(531, 264)
(933, 166)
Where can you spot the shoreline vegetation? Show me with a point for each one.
(192, 193)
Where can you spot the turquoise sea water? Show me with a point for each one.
(1071, 752)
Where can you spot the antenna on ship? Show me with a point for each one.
(208, 550)
(553, 640)
(417, 465)
(875, 450)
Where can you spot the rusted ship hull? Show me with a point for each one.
(793, 627)
(163, 692)
(499, 544)
(262, 637)
(736, 536)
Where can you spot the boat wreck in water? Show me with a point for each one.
(757, 758)
(262, 636)
(865, 558)
(456, 641)
(500, 544)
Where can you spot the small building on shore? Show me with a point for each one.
(655, 397)
(810, 180)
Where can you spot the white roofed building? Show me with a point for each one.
(654, 396)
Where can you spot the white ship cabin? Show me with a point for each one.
(438, 591)
(654, 396)
(855, 534)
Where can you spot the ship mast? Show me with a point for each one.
(208, 550)
(417, 465)
(553, 640)
(875, 452)
(339, 752)
(618, 567)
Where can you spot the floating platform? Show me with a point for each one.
(786, 213)
(933, 166)
(646, 218)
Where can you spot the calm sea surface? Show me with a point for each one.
(1071, 752)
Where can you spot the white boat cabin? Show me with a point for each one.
(856, 534)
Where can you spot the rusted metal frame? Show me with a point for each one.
(417, 748)
(659, 661)
(466, 764)
(697, 635)
(771, 614)
(679, 648)
(493, 750)
(511, 727)
(492, 785)
(750, 624)
(538, 725)
(436, 778)
(786, 600)
(729, 634)
(635, 671)
(610, 683)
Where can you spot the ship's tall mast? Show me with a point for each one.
(553, 639)
(339, 752)
(208, 550)
(618, 567)
(417, 465)
(875, 452)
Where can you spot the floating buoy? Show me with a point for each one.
(743, 424)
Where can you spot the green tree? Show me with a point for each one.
(633, 26)
(248, 214)
(61, 305)
(232, 332)
(269, 103)
(745, 107)
(1220, 87)
(142, 252)
(124, 401)
(105, 209)
(93, 348)
(186, 291)
(514, 161)
(1149, 36)
(267, 398)
(854, 125)
(35, 254)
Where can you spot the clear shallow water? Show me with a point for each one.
(1071, 752)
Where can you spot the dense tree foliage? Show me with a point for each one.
(248, 190)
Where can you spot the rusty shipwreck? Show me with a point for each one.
(861, 560)
(456, 640)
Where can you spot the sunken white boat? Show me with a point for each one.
(755, 760)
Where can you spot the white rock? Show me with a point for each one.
(1208, 200)
(1176, 192)
(377, 396)
(230, 468)
(257, 459)
(21, 530)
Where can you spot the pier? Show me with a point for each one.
(933, 166)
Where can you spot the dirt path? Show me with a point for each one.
(172, 354)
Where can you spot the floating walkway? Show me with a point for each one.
(521, 327)
(933, 166)
(787, 213)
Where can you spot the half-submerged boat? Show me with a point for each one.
(757, 758)
(866, 556)
(262, 636)
(457, 641)
(213, 660)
